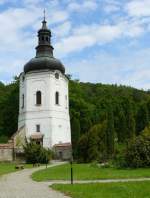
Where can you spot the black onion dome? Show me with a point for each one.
(44, 53)
(39, 63)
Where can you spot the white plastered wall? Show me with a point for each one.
(53, 119)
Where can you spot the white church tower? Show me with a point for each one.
(44, 100)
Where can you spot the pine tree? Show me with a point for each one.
(130, 120)
(110, 131)
(93, 151)
(83, 147)
(141, 118)
(121, 126)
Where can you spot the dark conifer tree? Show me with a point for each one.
(75, 134)
(130, 120)
(110, 131)
(142, 119)
(121, 126)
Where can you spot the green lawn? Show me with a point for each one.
(10, 167)
(107, 190)
(86, 171)
(6, 168)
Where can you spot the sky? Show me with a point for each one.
(98, 41)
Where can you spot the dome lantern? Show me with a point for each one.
(44, 58)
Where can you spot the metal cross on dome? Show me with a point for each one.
(44, 13)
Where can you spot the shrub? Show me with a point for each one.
(119, 157)
(35, 153)
(3, 139)
(138, 152)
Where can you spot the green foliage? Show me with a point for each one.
(92, 146)
(138, 151)
(3, 139)
(119, 160)
(120, 123)
(110, 132)
(130, 131)
(83, 148)
(75, 134)
(142, 118)
(124, 110)
(35, 153)
(9, 105)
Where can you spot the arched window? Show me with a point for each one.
(57, 75)
(42, 38)
(37, 128)
(47, 39)
(22, 101)
(38, 98)
(57, 98)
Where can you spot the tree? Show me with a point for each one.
(121, 126)
(110, 132)
(130, 120)
(141, 118)
(97, 147)
(10, 108)
(138, 152)
(35, 153)
(93, 150)
(75, 134)
(83, 146)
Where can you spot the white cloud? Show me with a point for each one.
(97, 34)
(138, 8)
(87, 36)
(19, 25)
(57, 16)
(110, 6)
(12, 34)
(62, 30)
(85, 6)
(129, 68)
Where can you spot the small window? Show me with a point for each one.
(57, 75)
(22, 101)
(57, 98)
(37, 128)
(42, 38)
(38, 98)
(47, 39)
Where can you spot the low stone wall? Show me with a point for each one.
(62, 151)
(6, 152)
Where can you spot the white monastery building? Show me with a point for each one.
(44, 100)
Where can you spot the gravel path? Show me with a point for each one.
(96, 181)
(20, 185)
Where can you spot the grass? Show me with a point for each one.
(6, 168)
(10, 167)
(107, 190)
(87, 172)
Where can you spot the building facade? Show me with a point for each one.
(44, 99)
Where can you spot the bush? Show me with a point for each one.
(119, 157)
(138, 152)
(3, 139)
(35, 153)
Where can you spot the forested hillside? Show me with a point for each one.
(102, 116)
(9, 100)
